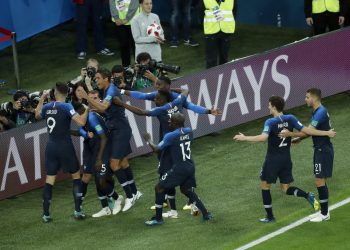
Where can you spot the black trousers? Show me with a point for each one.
(325, 20)
(217, 48)
(126, 43)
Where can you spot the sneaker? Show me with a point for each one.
(154, 222)
(137, 195)
(81, 55)
(209, 216)
(46, 218)
(191, 42)
(187, 207)
(314, 203)
(174, 44)
(194, 210)
(320, 217)
(103, 212)
(164, 205)
(105, 52)
(117, 205)
(129, 202)
(171, 214)
(79, 215)
(267, 220)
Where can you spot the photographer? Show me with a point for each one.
(87, 74)
(122, 78)
(21, 111)
(146, 75)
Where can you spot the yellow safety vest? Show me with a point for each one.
(320, 6)
(124, 12)
(211, 24)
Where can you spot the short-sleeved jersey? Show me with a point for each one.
(321, 121)
(115, 114)
(58, 117)
(179, 142)
(95, 124)
(164, 113)
(273, 126)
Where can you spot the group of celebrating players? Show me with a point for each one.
(107, 135)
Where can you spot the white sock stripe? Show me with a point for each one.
(124, 184)
(130, 182)
(111, 193)
(102, 197)
(296, 192)
(324, 201)
(267, 206)
(171, 197)
(159, 206)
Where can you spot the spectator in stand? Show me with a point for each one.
(144, 42)
(182, 7)
(122, 12)
(146, 75)
(323, 14)
(21, 111)
(119, 77)
(85, 10)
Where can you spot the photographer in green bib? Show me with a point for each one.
(122, 12)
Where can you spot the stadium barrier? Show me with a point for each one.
(240, 88)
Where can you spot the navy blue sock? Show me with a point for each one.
(84, 189)
(171, 198)
(130, 178)
(323, 196)
(47, 195)
(267, 201)
(120, 174)
(77, 194)
(102, 197)
(109, 190)
(296, 192)
(159, 205)
(195, 200)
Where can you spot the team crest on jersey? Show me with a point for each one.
(314, 123)
(266, 129)
(72, 111)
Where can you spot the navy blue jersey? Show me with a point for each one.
(179, 143)
(150, 96)
(95, 124)
(273, 126)
(115, 114)
(58, 117)
(164, 113)
(320, 120)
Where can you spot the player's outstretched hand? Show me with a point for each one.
(296, 140)
(147, 136)
(284, 133)
(45, 94)
(332, 133)
(239, 137)
(215, 111)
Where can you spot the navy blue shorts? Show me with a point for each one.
(165, 163)
(118, 144)
(90, 152)
(323, 161)
(277, 167)
(60, 155)
(183, 176)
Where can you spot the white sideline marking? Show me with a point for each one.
(288, 227)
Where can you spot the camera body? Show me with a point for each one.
(91, 72)
(153, 64)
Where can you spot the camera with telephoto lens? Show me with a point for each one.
(153, 64)
(91, 72)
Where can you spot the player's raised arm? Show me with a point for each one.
(39, 108)
(81, 119)
(139, 95)
(134, 109)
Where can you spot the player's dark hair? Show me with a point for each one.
(105, 73)
(62, 88)
(277, 102)
(143, 57)
(165, 94)
(165, 79)
(141, 1)
(94, 91)
(178, 119)
(315, 92)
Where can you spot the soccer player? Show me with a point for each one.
(60, 151)
(95, 162)
(119, 135)
(183, 171)
(278, 162)
(163, 111)
(163, 84)
(323, 149)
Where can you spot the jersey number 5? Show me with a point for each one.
(51, 123)
(186, 152)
